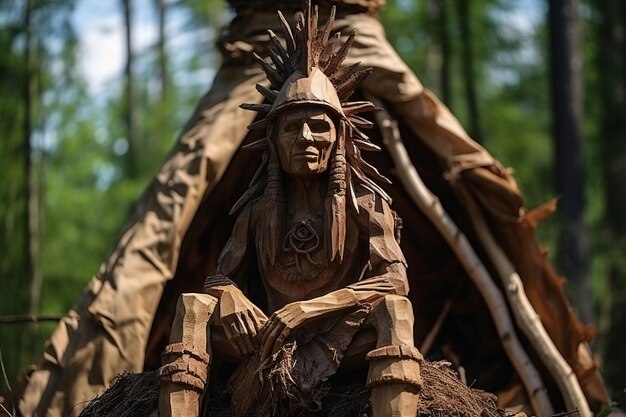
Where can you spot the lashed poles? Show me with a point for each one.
(430, 205)
(525, 315)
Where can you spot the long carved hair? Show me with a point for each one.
(310, 48)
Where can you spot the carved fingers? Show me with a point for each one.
(241, 321)
(279, 327)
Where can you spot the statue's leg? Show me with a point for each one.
(394, 373)
(186, 359)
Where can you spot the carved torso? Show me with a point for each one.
(302, 269)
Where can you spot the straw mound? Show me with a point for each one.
(136, 395)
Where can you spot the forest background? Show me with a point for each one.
(93, 93)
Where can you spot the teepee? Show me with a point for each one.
(484, 296)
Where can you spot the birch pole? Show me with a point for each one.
(430, 205)
(525, 315)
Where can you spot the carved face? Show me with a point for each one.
(305, 141)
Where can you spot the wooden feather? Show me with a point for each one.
(353, 156)
(340, 55)
(372, 171)
(361, 122)
(261, 170)
(262, 108)
(370, 184)
(288, 34)
(283, 70)
(343, 73)
(257, 145)
(345, 90)
(356, 107)
(366, 145)
(270, 95)
(278, 45)
(259, 124)
(328, 27)
(272, 75)
(312, 33)
(351, 192)
(329, 49)
(302, 53)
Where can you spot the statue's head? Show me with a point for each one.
(311, 128)
(304, 119)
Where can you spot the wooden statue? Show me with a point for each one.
(325, 242)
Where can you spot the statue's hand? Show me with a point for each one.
(241, 320)
(280, 325)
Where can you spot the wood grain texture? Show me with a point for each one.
(186, 359)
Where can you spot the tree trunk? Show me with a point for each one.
(27, 127)
(444, 40)
(566, 82)
(32, 243)
(131, 105)
(161, 48)
(468, 66)
(612, 65)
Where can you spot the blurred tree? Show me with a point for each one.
(162, 56)
(13, 236)
(29, 32)
(131, 107)
(439, 14)
(567, 108)
(468, 66)
(610, 26)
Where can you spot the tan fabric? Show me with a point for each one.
(107, 331)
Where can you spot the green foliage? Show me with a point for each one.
(12, 208)
(511, 79)
(35, 33)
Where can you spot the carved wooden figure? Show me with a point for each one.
(323, 237)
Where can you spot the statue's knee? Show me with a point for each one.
(393, 309)
(394, 377)
(187, 357)
(398, 303)
(392, 318)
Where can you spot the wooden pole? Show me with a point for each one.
(525, 315)
(430, 205)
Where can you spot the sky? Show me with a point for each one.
(100, 27)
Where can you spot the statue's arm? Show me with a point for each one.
(239, 317)
(390, 279)
(386, 269)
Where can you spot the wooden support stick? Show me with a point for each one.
(525, 315)
(430, 205)
(430, 338)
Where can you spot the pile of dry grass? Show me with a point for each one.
(443, 394)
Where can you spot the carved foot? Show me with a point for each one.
(394, 400)
(394, 381)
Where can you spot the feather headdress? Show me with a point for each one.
(311, 54)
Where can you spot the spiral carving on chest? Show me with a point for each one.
(302, 240)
